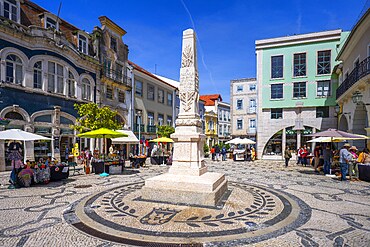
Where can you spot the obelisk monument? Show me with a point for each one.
(187, 181)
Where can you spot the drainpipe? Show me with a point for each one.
(132, 109)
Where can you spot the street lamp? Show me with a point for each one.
(356, 97)
(138, 114)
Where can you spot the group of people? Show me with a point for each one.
(349, 158)
(217, 152)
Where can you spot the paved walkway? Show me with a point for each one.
(267, 205)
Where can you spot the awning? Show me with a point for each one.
(131, 138)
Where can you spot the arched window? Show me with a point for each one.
(14, 69)
(14, 115)
(37, 75)
(86, 89)
(71, 84)
(55, 78)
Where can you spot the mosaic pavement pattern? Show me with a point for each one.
(267, 205)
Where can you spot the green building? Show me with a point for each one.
(296, 89)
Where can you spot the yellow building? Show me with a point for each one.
(210, 120)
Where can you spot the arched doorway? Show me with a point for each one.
(343, 124)
(359, 125)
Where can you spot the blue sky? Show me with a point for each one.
(226, 30)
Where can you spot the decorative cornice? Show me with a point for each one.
(105, 21)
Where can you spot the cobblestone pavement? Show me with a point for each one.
(333, 213)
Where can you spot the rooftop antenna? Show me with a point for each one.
(60, 6)
(55, 31)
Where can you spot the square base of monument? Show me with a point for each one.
(204, 190)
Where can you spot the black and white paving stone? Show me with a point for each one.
(267, 205)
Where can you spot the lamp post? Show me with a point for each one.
(138, 114)
(356, 97)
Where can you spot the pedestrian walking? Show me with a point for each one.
(299, 155)
(213, 153)
(327, 159)
(217, 151)
(344, 157)
(353, 166)
(287, 156)
(223, 153)
(317, 153)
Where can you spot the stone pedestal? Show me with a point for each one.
(187, 181)
(204, 190)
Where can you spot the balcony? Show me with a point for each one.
(136, 128)
(362, 70)
(116, 76)
(151, 129)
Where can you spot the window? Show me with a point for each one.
(82, 44)
(55, 77)
(86, 89)
(252, 123)
(169, 120)
(239, 88)
(118, 74)
(160, 96)
(299, 89)
(169, 99)
(322, 111)
(220, 129)
(252, 106)
(150, 93)
(277, 66)
(109, 92)
(71, 84)
(139, 88)
(239, 124)
(150, 118)
(160, 119)
(225, 115)
(299, 64)
(323, 88)
(11, 10)
(121, 97)
(323, 62)
(14, 69)
(113, 44)
(220, 115)
(50, 23)
(37, 75)
(277, 91)
(210, 125)
(276, 113)
(239, 104)
(252, 87)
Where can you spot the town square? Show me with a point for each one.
(170, 128)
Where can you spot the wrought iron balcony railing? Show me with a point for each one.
(357, 73)
(136, 128)
(151, 129)
(117, 76)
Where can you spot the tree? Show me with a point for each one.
(93, 117)
(165, 130)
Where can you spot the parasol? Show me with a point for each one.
(102, 133)
(162, 139)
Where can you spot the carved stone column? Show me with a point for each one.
(187, 180)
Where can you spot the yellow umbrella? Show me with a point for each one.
(162, 139)
(102, 133)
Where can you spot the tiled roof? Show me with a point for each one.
(210, 99)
